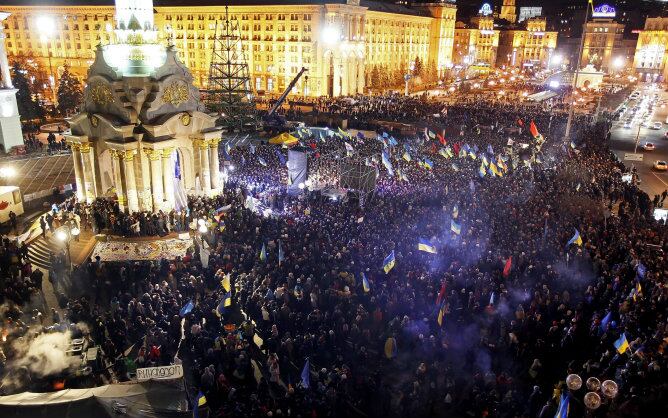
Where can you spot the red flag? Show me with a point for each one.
(533, 129)
(441, 139)
(456, 148)
(440, 294)
(312, 145)
(520, 122)
(506, 269)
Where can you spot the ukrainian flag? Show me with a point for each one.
(484, 161)
(455, 227)
(577, 239)
(407, 157)
(562, 412)
(263, 253)
(224, 304)
(441, 313)
(225, 283)
(622, 344)
(200, 402)
(428, 164)
(443, 153)
(389, 262)
(365, 283)
(426, 246)
(481, 171)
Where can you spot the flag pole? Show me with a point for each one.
(571, 109)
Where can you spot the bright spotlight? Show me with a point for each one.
(556, 59)
(7, 172)
(230, 168)
(61, 236)
(201, 222)
(554, 84)
(331, 35)
(203, 229)
(301, 186)
(46, 26)
(618, 62)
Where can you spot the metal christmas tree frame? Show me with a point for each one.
(229, 93)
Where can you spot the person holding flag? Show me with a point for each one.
(622, 344)
(365, 283)
(263, 253)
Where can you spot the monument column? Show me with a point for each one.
(154, 157)
(214, 163)
(204, 165)
(89, 171)
(337, 77)
(130, 183)
(78, 171)
(118, 178)
(168, 176)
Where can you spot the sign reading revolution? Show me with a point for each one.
(160, 373)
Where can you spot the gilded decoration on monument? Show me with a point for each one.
(101, 94)
(175, 94)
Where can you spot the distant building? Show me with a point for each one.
(650, 61)
(476, 44)
(529, 12)
(508, 11)
(339, 41)
(603, 46)
(529, 46)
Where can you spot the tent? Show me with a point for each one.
(152, 398)
(284, 139)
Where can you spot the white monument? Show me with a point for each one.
(143, 137)
(10, 123)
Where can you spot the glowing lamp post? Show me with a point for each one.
(7, 173)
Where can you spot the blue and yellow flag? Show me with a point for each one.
(200, 402)
(365, 283)
(225, 303)
(428, 164)
(389, 262)
(622, 344)
(577, 239)
(406, 156)
(263, 253)
(225, 282)
(441, 313)
(562, 412)
(426, 246)
(481, 171)
(455, 227)
(443, 153)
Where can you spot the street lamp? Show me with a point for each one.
(7, 173)
(46, 26)
(64, 234)
(618, 63)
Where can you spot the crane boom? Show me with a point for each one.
(281, 99)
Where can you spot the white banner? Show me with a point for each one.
(174, 371)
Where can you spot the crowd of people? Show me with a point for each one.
(313, 306)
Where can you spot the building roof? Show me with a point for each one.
(374, 5)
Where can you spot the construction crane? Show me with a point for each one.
(272, 121)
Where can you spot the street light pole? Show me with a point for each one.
(635, 149)
(571, 109)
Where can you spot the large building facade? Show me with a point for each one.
(337, 41)
(651, 60)
(527, 46)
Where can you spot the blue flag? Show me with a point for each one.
(562, 412)
(200, 401)
(306, 375)
(641, 270)
(262, 161)
(281, 256)
(185, 310)
(490, 150)
(252, 148)
(387, 163)
(605, 321)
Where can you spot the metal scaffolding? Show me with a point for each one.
(229, 91)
